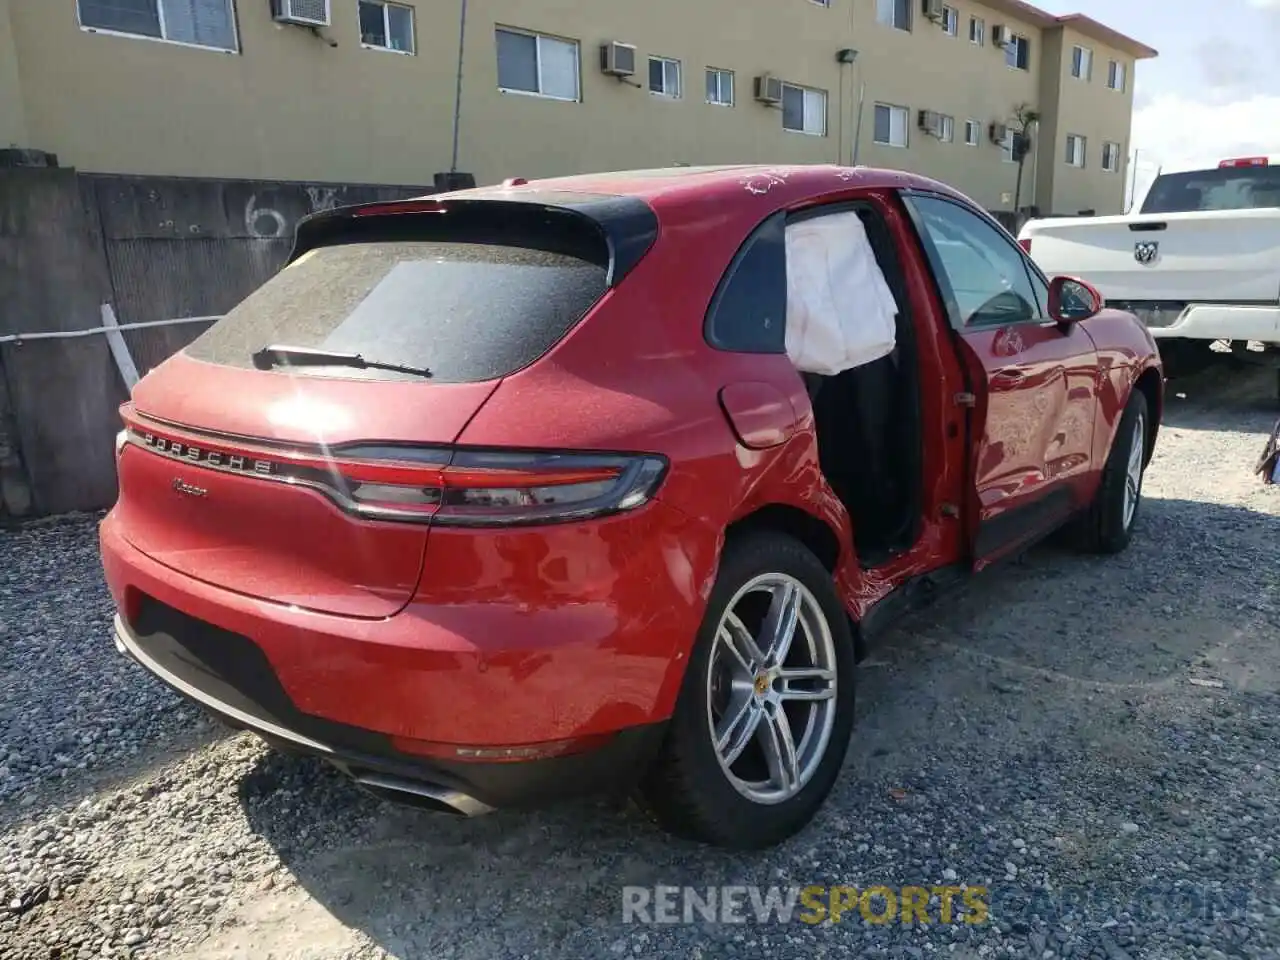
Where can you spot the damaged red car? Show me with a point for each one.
(607, 482)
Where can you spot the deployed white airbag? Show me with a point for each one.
(840, 310)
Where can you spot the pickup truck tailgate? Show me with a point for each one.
(1227, 256)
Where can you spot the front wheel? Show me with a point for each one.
(1108, 526)
(765, 712)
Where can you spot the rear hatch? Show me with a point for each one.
(306, 480)
(1207, 236)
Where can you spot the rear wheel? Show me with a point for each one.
(1108, 526)
(765, 713)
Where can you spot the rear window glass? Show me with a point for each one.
(465, 311)
(1225, 188)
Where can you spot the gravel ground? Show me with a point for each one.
(1092, 740)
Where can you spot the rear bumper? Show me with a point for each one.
(1223, 322)
(370, 759)
(447, 692)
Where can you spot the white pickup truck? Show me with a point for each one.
(1199, 264)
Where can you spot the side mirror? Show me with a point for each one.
(1072, 300)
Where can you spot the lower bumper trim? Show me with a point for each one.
(390, 787)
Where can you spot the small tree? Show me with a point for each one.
(1024, 118)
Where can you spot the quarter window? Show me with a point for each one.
(749, 311)
(199, 23)
(983, 276)
(536, 64)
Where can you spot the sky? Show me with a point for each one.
(1214, 91)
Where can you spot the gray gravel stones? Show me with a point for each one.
(1012, 739)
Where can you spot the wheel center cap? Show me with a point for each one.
(762, 684)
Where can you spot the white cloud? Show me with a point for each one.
(1179, 132)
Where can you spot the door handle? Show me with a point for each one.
(1008, 379)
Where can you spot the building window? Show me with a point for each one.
(199, 23)
(1111, 157)
(946, 129)
(891, 125)
(1075, 150)
(386, 26)
(1115, 76)
(1006, 147)
(804, 110)
(951, 21)
(1081, 63)
(664, 77)
(539, 65)
(972, 132)
(821, 3)
(1017, 52)
(720, 87)
(977, 30)
(894, 13)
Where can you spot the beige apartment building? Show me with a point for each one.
(367, 91)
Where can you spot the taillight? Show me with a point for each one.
(479, 488)
(465, 488)
(1025, 244)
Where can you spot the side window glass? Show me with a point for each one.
(749, 311)
(989, 282)
(1041, 290)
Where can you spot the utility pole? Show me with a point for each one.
(1133, 181)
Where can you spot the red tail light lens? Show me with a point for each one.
(1025, 244)
(466, 488)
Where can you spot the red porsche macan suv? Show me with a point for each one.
(504, 495)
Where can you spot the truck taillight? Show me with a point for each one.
(1246, 162)
(1025, 244)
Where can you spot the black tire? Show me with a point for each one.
(1103, 528)
(686, 790)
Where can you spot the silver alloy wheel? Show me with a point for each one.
(1133, 472)
(771, 688)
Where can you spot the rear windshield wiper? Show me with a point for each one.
(281, 356)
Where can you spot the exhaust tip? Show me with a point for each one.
(425, 796)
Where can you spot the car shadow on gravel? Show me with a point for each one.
(1051, 688)
(1229, 397)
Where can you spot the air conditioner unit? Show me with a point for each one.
(618, 59)
(998, 132)
(930, 121)
(307, 13)
(999, 36)
(933, 10)
(768, 89)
